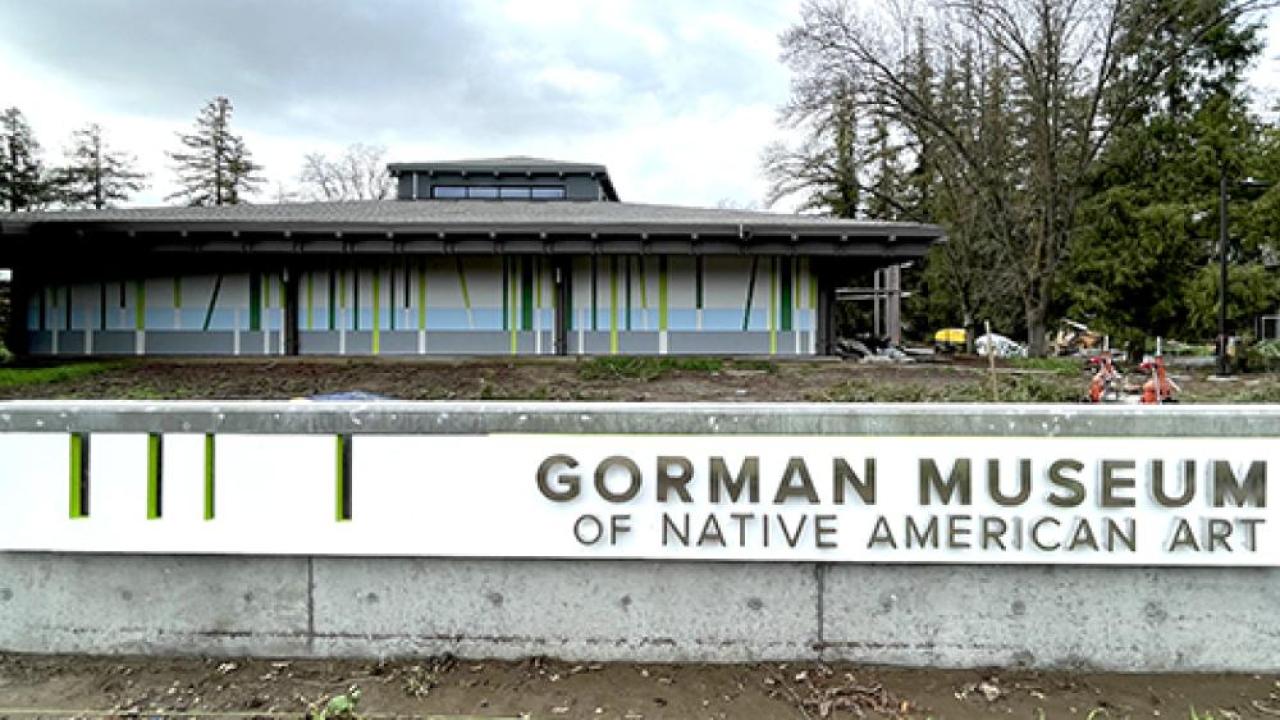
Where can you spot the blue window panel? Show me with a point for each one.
(721, 319)
(682, 319)
(488, 318)
(158, 319)
(224, 319)
(192, 319)
(759, 319)
(446, 319)
(33, 316)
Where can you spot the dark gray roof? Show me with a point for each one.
(472, 226)
(430, 215)
(511, 163)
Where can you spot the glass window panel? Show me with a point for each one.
(515, 192)
(483, 192)
(448, 191)
(548, 193)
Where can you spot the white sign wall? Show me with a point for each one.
(1128, 501)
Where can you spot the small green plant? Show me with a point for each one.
(42, 374)
(339, 707)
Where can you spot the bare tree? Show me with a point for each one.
(1052, 80)
(358, 174)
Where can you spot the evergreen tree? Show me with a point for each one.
(96, 176)
(215, 167)
(23, 185)
(1144, 260)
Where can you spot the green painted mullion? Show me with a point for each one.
(255, 302)
(422, 295)
(697, 282)
(213, 301)
(155, 470)
(506, 292)
(785, 276)
(613, 305)
(140, 305)
(177, 292)
(355, 299)
(751, 292)
(377, 310)
(662, 292)
(391, 298)
(513, 305)
(462, 284)
(628, 293)
(595, 278)
(333, 300)
(526, 293)
(773, 306)
(209, 470)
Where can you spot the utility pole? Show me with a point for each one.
(1222, 283)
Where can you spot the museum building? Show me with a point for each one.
(498, 256)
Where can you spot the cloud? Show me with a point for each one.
(677, 97)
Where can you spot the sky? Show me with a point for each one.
(676, 97)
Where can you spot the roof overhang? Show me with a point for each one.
(33, 241)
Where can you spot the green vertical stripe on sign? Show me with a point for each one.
(311, 299)
(422, 295)
(154, 478)
(751, 292)
(255, 301)
(79, 476)
(140, 305)
(773, 306)
(342, 470)
(613, 305)
(784, 300)
(377, 310)
(177, 292)
(209, 469)
(662, 292)
(526, 293)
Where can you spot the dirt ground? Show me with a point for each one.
(542, 688)
(638, 380)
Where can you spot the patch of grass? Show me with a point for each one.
(1015, 389)
(764, 366)
(644, 369)
(1059, 365)
(44, 374)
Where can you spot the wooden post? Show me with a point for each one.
(991, 363)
